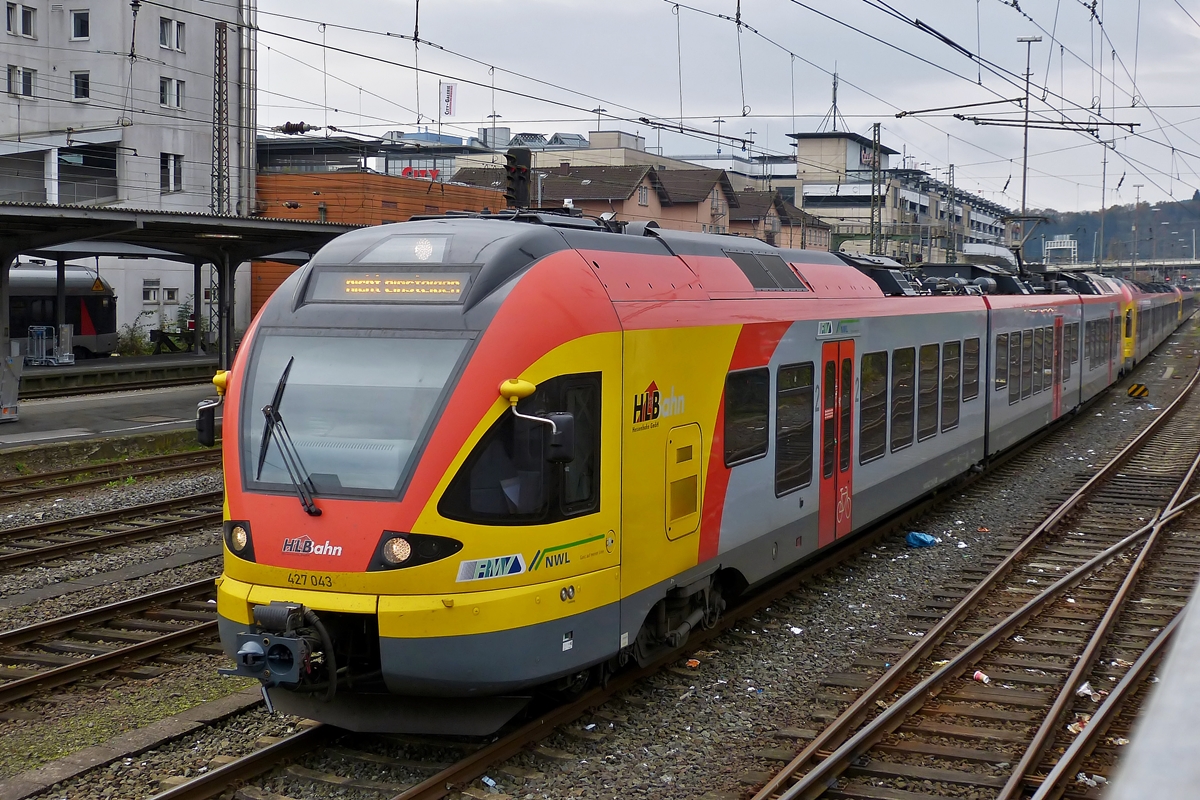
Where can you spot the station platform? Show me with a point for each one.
(117, 372)
(115, 413)
(1160, 761)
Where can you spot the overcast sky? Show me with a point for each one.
(625, 56)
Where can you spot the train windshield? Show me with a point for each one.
(355, 405)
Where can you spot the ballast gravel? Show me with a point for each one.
(716, 731)
(109, 498)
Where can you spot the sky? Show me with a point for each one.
(553, 61)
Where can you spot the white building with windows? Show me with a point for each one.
(96, 114)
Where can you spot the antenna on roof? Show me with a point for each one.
(833, 115)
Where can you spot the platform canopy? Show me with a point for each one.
(59, 231)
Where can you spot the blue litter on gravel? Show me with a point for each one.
(916, 539)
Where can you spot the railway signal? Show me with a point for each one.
(518, 161)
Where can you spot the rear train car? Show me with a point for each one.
(91, 307)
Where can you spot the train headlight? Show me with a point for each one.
(397, 550)
(239, 538)
(401, 550)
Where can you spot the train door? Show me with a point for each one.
(837, 412)
(1056, 371)
(1113, 322)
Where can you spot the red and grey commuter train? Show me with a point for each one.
(468, 457)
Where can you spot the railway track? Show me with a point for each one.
(57, 652)
(991, 694)
(43, 484)
(419, 775)
(46, 541)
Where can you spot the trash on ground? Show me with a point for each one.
(1086, 690)
(941, 663)
(982, 529)
(1081, 722)
(981, 677)
(488, 781)
(962, 545)
(692, 663)
(796, 631)
(917, 539)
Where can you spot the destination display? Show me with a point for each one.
(362, 286)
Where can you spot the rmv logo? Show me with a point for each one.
(483, 568)
(650, 404)
(304, 546)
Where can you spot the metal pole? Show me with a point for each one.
(197, 301)
(1028, 40)
(1103, 202)
(60, 295)
(1136, 203)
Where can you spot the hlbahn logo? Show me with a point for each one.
(304, 546)
(650, 405)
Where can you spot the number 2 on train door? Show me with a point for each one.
(836, 425)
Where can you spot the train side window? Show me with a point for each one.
(872, 413)
(828, 423)
(1014, 367)
(904, 366)
(951, 382)
(747, 412)
(1039, 337)
(506, 480)
(793, 427)
(1001, 360)
(927, 392)
(1066, 353)
(970, 370)
(1026, 363)
(846, 406)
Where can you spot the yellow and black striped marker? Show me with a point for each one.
(1139, 390)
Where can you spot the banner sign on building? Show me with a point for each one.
(449, 95)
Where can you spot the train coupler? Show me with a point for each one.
(286, 649)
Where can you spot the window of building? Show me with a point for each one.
(1014, 367)
(170, 34)
(927, 392)
(20, 20)
(150, 290)
(951, 383)
(170, 92)
(170, 166)
(1026, 363)
(747, 410)
(643, 195)
(970, 370)
(872, 415)
(81, 85)
(793, 428)
(904, 364)
(81, 25)
(21, 80)
(507, 480)
(171, 296)
(1001, 379)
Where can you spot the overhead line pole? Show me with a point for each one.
(1028, 40)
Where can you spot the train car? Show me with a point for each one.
(1157, 314)
(91, 307)
(467, 457)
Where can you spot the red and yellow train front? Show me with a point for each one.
(378, 481)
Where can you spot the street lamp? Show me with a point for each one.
(718, 122)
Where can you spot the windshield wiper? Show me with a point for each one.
(275, 429)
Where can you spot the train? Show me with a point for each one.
(473, 459)
(91, 307)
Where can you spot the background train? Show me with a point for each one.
(91, 307)
(465, 457)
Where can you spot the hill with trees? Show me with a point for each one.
(1164, 230)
